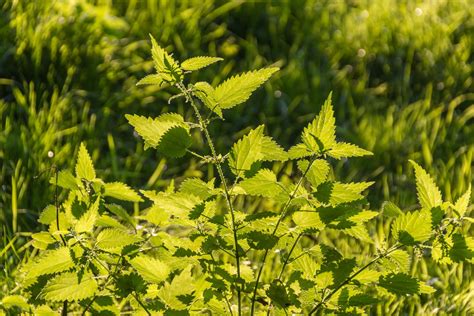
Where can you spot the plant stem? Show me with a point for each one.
(282, 216)
(350, 278)
(203, 126)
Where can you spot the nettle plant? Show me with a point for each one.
(251, 241)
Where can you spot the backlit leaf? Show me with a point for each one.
(199, 62)
(71, 287)
(151, 269)
(238, 89)
(412, 228)
(84, 166)
(428, 193)
(121, 191)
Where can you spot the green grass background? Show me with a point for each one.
(401, 73)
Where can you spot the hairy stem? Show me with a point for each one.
(352, 276)
(282, 216)
(217, 162)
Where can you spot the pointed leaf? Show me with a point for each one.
(206, 93)
(52, 261)
(69, 286)
(321, 132)
(84, 166)
(412, 228)
(115, 239)
(199, 62)
(238, 89)
(151, 269)
(463, 202)
(400, 284)
(264, 183)
(345, 150)
(87, 221)
(165, 65)
(428, 193)
(168, 133)
(121, 191)
(318, 171)
(154, 80)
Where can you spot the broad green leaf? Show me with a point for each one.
(264, 183)
(84, 166)
(320, 134)
(400, 284)
(318, 171)
(87, 221)
(48, 215)
(398, 261)
(335, 193)
(199, 62)
(412, 228)
(43, 237)
(463, 202)
(51, 261)
(113, 239)
(259, 240)
(429, 195)
(121, 191)
(345, 150)
(308, 220)
(206, 93)
(65, 180)
(168, 133)
(198, 188)
(238, 89)
(252, 148)
(368, 276)
(69, 286)
(151, 269)
(182, 285)
(177, 204)
(165, 65)
(155, 80)
(15, 301)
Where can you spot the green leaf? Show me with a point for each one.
(182, 285)
(252, 148)
(238, 89)
(362, 300)
(15, 301)
(168, 133)
(260, 241)
(165, 65)
(154, 80)
(308, 220)
(398, 261)
(400, 284)
(345, 150)
(264, 183)
(51, 261)
(199, 62)
(176, 204)
(206, 93)
(151, 269)
(113, 239)
(65, 180)
(198, 188)
(391, 210)
(412, 228)
(318, 171)
(87, 221)
(428, 193)
(321, 132)
(463, 202)
(121, 191)
(84, 166)
(71, 287)
(335, 193)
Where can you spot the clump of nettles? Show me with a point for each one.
(252, 240)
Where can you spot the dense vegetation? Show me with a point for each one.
(402, 89)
